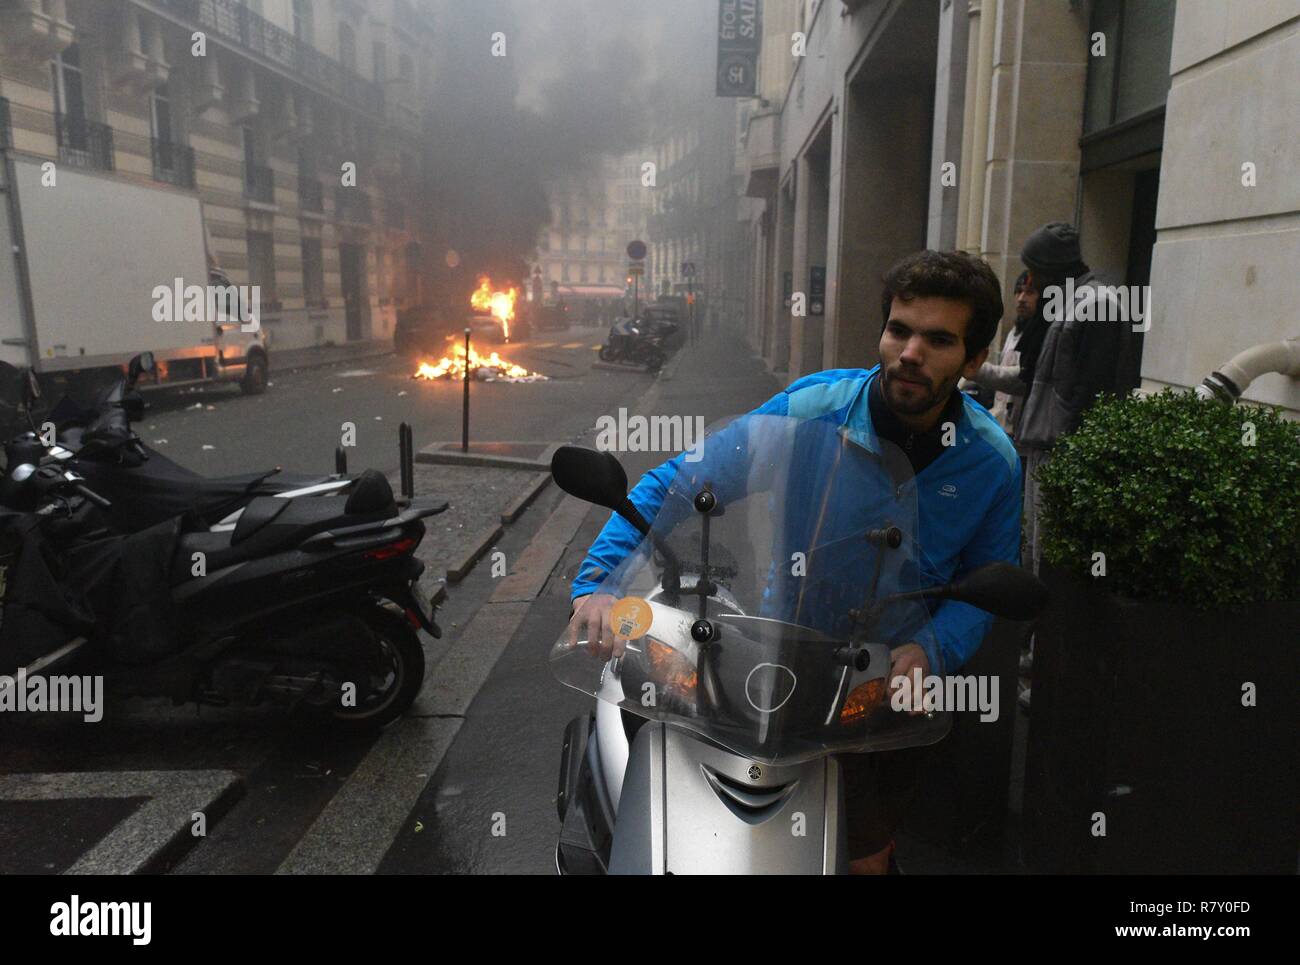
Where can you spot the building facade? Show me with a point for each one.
(297, 124)
(696, 240)
(1164, 129)
(594, 215)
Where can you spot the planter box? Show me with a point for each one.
(1137, 714)
(963, 785)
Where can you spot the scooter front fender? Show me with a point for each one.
(691, 807)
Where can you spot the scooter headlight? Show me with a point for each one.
(862, 700)
(671, 672)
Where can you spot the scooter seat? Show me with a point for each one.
(256, 515)
(270, 524)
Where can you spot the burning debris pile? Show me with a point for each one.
(489, 368)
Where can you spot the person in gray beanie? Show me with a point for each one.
(1079, 359)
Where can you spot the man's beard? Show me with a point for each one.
(918, 404)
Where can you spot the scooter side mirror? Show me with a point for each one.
(1004, 590)
(144, 362)
(595, 477)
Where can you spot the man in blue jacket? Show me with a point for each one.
(941, 310)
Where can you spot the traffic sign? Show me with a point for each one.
(636, 269)
(636, 250)
(688, 269)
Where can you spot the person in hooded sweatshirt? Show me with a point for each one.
(1079, 359)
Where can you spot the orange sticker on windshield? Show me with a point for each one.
(631, 617)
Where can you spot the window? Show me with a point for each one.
(347, 47)
(69, 95)
(1133, 76)
(381, 62)
(261, 264)
(313, 272)
(302, 23)
(405, 69)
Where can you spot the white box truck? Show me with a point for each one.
(96, 265)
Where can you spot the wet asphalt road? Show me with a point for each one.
(300, 420)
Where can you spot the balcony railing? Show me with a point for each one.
(83, 143)
(259, 183)
(6, 136)
(234, 21)
(351, 204)
(311, 193)
(173, 163)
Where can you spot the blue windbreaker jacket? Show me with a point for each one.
(968, 503)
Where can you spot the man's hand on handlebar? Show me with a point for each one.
(903, 662)
(591, 621)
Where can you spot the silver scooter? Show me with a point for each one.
(713, 745)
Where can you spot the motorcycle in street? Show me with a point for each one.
(755, 622)
(632, 341)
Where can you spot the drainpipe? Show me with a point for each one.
(968, 164)
(1229, 382)
(980, 139)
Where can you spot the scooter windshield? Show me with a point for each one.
(761, 611)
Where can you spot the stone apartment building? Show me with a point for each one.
(1164, 129)
(256, 107)
(594, 214)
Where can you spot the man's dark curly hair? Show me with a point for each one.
(949, 274)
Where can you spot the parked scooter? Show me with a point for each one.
(744, 674)
(312, 602)
(634, 342)
(144, 486)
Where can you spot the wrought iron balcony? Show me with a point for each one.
(173, 163)
(83, 143)
(236, 22)
(259, 183)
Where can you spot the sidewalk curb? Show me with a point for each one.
(442, 458)
(319, 363)
(521, 502)
(459, 570)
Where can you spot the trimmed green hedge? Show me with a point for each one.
(1183, 509)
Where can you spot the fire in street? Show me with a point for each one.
(485, 368)
(500, 305)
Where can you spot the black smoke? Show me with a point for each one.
(580, 80)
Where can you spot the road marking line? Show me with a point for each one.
(571, 345)
(135, 843)
(543, 345)
(595, 347)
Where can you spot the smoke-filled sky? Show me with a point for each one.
(580, 79)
